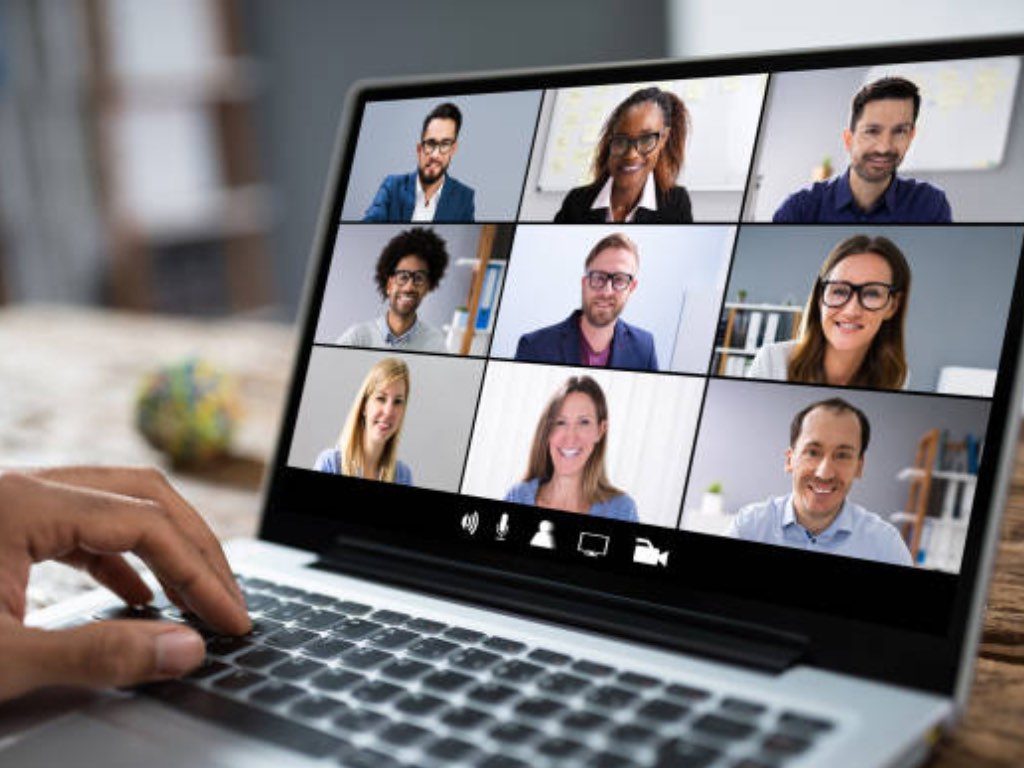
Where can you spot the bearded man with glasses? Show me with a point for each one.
(428, 193)
(594, 335)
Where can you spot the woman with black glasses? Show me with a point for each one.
(852, 328)
(635, 166)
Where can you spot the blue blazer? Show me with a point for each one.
(396, 199)
(632, 347)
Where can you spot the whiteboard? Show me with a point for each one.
(724, 112)
(966, 108)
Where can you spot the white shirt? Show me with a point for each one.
(648, 200)
(424, 210)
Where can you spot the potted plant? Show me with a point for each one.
(713, 501)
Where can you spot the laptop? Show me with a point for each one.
(655, 414)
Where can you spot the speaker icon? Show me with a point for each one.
(470, 522)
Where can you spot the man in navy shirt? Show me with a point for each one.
(882, 125)
(594, 335)
(428, 193)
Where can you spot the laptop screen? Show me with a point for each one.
(718, 328)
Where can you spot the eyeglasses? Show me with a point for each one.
(872, 296)
(430, 146)
(644, 143)
(418, 277)
(620, 281)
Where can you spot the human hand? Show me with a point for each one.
(86, 517)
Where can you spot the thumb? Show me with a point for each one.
(100, 655)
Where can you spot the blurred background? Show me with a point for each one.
(169, 156)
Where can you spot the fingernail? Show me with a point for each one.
(178, 651)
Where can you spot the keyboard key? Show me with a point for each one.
(315, 707)
(804, 723)
(426, 626)
(611, 697)
(405, 669)
(551, 658)
(207, 669)
(742, 707)
(297, 668)
(262, 627)
(290, 637)
(583, 721)
(360, 720)
(473, 659)
(592, 669)
(539, 708)
(784, 744)
(391, 638)
(389, 617)
(245, 719)
(254, 582)
(317, 599)
(326, 648)
(369, 758)
(503, 761)
(287, 611)
(723, 727)
(608, 760)
(491, 694)
(680, 753)
(260, 657)
(354, 629)
(631, 734)
(517, 671)
(662, 711)
(450, 748)
(463, 635)
(431, 648)
(223, 645)
(282, 590)
(633, 680)
(238, 680)
(318, 620)
(363, 658)
(420, 704)
(513, 733)
(257, 602)
(375, 692)
(560, 748)
(466, 718)
(446, 681)
(749, 762)
(403, 734)
(334, 680)
(351, 608)
(687, 692)
(504, 645)
(275, 692)
(562, 684)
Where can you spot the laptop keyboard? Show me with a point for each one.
(360, 686)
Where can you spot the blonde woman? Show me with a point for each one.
(368, 445)
(566, 468)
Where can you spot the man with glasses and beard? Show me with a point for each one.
(882, 125)
(428, 193)
(410, 266)
(594, 335)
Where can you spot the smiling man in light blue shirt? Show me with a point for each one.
(827, 443)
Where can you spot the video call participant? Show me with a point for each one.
(853, 323)
(882, 125)
(827, 442)
(635, 166)
(594, 335)
(368, 444)
(566, 466)
(428, 193)
(410, 266)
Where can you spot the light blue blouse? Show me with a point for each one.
(621, 507)
(330, 461)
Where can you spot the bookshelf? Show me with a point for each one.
(185, 210)
(746, 327)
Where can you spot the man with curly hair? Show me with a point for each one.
(410, 266)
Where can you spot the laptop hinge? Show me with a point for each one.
(693, 632)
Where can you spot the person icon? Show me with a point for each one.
(544, 538)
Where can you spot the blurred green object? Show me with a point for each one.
(189, 411)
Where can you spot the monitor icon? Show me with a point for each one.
(593, 544)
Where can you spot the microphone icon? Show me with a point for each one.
(502, 530)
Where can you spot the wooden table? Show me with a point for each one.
(68, 383)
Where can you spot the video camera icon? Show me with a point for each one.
(646, 553)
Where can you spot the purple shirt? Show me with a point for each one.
(905, 201)
(589, 356)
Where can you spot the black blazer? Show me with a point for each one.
(673, 207)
